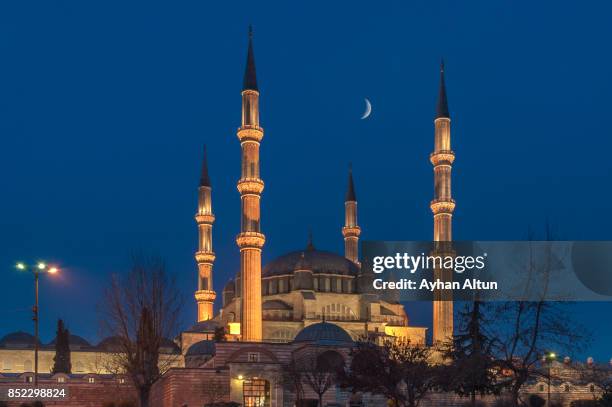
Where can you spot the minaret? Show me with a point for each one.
(205, 257)
(351, 230)
(442, 207)
(250, 240)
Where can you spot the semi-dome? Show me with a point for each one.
(318, 261)
(205, 347)
(18, 339)
(324, 333)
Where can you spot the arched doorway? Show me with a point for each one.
(256, 393)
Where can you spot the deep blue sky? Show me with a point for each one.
(105, 106)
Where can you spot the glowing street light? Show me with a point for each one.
(549, 357)
(41, 267)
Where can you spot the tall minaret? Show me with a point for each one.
(442, 207)
(205, 257)
(351, 230)
(250, 240)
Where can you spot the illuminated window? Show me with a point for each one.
(61, 379)
(541, 387)
(29, 379)
(253, 357)
(121, 380)
(91, 380)
(256, 393)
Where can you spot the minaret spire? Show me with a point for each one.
(442, 105)
(250, 240)
(442, 207)
(205, 257)
(351, 230)
(204, 178)
(250, 74)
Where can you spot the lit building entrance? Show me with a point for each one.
(256, 393)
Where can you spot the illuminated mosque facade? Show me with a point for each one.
(273, 303)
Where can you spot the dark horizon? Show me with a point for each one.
(104, 110)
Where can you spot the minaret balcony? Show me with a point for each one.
(205, 296)
(351, 231)
(205, 218)
(440, 206)
(205, 257)
(443, 157)
(250, 186)
(254, 240)
(250, 133)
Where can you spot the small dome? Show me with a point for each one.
(230, 286)
(320, 262)
(111, 343)
(18, 339)
(205, 347)
(324, 333)
(74, 340)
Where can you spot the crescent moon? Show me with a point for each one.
(368, 109)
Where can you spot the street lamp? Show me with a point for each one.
(36, 270)
(549, 357)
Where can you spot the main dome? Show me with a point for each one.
(318, 261)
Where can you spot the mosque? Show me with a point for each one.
(274, 302)
(303, 302)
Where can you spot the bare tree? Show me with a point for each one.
(319, 370)
(528, 330)
(398, 370)
(140, 312)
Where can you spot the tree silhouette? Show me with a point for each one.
(61, 360)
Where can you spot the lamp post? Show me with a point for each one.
(36, 270)
(549, 357)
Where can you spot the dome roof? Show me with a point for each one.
(110, 343)
(205, 347)
(324, 333)
(318, 261)
(74, 340)
(18, 338)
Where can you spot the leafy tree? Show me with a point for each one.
(61, 360)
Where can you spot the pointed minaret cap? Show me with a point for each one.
(350, 192)
(442, 106)
(204, 179)
(310, 245)
(250, 76)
